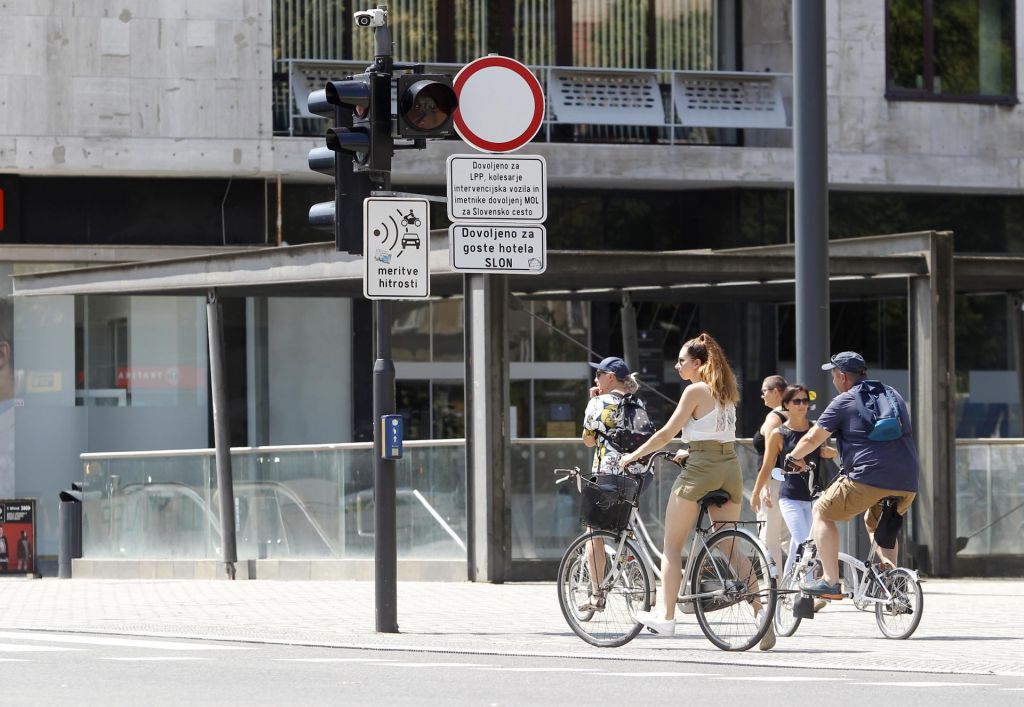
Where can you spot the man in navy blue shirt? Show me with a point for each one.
(872, 470)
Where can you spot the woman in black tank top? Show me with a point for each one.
(797, 491)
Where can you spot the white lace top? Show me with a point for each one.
(718, 425)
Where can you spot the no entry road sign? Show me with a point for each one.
(501, 104)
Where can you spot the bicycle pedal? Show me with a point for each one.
(803, 608)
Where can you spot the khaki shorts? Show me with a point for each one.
(846, 498)
(711, 466)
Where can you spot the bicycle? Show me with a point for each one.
(895, 594)
(726, 570)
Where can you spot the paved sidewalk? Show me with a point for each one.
(968, 626)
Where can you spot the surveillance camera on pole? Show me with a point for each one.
(372, 18)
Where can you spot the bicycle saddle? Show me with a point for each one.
(714, 498)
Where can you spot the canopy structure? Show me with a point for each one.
(920, 267)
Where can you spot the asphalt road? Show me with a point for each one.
(38, 667)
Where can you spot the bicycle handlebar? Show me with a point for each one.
(570, 473)
(789, 468)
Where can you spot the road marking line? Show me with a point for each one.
(153, 658)
(658, 675)
(548, 670)
(122, 642)
(782, 678)
(395, 664)
(13, 660)
(928, 684)
(330, 660)
(21, 648)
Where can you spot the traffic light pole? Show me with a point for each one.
(385, 551)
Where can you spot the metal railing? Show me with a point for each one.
(610, 105)
(316, 500)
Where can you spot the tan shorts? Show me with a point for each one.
(846, 498)
(711, 466)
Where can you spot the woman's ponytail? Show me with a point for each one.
(630, 383)
(715, 369)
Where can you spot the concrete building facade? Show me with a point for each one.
(152, 124)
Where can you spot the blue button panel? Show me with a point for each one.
(391, 433)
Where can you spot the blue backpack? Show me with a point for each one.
(877, 406)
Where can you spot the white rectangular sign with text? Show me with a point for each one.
(494, 188)
(494, 248)
(396, 248)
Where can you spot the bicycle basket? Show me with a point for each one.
(608, 500)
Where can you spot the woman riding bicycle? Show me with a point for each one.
(706, 416)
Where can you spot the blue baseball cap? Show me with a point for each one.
(613, 364)
(847, 361)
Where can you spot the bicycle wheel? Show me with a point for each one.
(627, 590)
(786, 623)
(733, 563)
(899, 617)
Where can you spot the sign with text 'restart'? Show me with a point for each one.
(396, 248)
(497, 189)
(493, 248)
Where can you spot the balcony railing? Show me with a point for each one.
(593, 105)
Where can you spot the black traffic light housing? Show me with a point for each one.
(426, 105)
(348, 151)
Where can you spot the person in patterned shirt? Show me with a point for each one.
(611, 381)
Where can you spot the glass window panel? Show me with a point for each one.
(412, 400)
(447, 317)
(559, 406)
(520, 401)
(410, 331)
(972, 47)
(572, 320)
(906, 44)
(520, 332)
(449, 410)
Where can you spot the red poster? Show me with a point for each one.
(17, 536)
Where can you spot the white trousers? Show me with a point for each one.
(774, 533)
(797, 515)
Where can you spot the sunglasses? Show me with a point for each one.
(800, 401)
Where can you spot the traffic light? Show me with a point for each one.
(357, 151)
(426, 104)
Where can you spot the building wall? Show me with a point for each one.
(131, 86)
(874, 141)
(184, 88)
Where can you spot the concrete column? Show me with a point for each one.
(488, 450)
(221, 432)
(1016, 306)
(932, 387)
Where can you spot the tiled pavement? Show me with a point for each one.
(968, 626)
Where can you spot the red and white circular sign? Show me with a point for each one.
(501, 104)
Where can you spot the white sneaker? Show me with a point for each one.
(653, 621)
(768, 639)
